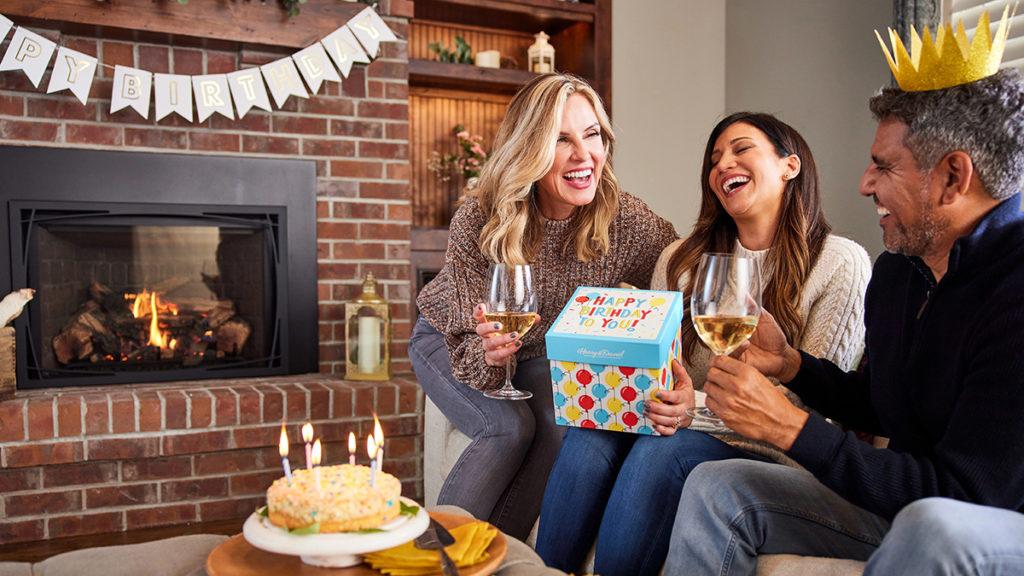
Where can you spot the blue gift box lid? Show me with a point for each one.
(616, 326)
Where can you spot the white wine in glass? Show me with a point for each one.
(512, 302)
(724, 307)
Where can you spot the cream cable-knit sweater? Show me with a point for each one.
(832, 304)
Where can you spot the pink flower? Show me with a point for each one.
(464, 135)
(476, 149)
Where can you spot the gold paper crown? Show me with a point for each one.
(949, 60)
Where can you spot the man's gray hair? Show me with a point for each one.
(984, 118)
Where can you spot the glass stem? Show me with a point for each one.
(508, 373)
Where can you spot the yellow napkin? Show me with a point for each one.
(470, 547)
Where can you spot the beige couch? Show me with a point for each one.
(443, 444)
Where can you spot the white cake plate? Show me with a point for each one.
(334, 550)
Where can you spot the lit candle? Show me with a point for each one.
(371, 451)
(307, 437)
(283, 449)
(352, 448)
(378, 439)
(316, 454)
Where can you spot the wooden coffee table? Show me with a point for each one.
(236, 557)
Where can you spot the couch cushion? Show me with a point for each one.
(15, 569)
(180, 556)
(792, 565)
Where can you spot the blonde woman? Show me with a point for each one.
(547, 197)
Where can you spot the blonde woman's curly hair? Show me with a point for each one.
(523, 152)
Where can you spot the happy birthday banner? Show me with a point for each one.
(357, 41)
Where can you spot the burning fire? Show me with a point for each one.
(148, 303)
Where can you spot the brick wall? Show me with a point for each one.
(98, 460)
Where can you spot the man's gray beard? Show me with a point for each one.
(916, 241)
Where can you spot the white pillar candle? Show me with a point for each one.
(369, 343)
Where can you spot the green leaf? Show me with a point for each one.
(368, 531)
(262, 511)
(407, 510)
(311, 529)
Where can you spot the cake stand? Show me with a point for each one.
(334, 550)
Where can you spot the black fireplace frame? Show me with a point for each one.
(176, 186)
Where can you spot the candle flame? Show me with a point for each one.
(351, 442)
(371, 448)
(283, 445)
(307, 432)
(378, 432)
(317, 453)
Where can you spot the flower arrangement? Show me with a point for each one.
(467, 162)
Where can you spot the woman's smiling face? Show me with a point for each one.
(747, 175)
(579, 160)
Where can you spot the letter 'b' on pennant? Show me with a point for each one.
(173, 94)
(30, 53)
(132, 88)
(72, 71)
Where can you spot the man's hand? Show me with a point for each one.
(750, 404)
(670, 415)
(769, 352)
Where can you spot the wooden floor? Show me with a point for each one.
(43, 549)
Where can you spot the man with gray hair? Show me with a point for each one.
(943, 377)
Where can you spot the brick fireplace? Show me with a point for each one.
(87, 460)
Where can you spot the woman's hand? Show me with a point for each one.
(769, 352)
(498, 347)
(670, 415)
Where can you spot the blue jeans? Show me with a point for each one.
(623, 489)
(940, 537)
(732, 511)
(502, 473)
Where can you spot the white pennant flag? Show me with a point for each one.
(30, 53)
(371, 31)
(315, 67)
(344, 50)
(248, 90)
(5, 26)
(283, 80)
(173, 94)
(132, 88)
(212, 95)
(72, 71)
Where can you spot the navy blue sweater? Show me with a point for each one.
(944, 380)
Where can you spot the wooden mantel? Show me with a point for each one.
(252, 22)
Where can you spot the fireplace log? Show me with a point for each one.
(232, 336)
(74, 342)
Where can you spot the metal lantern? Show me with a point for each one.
(368, 335)
(541, 54)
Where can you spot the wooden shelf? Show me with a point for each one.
(433, 74)
(522, 15)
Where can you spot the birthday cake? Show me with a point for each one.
(344, 501)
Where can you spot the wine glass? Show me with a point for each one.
(511, 302)
(724, 307)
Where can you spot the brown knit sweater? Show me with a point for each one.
(636, 238)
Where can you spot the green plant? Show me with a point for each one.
(461, 55)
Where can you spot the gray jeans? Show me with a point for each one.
(502, 474)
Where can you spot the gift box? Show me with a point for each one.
(611, 350)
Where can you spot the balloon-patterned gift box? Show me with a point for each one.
(611, 351)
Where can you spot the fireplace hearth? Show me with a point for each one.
(212, 275)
